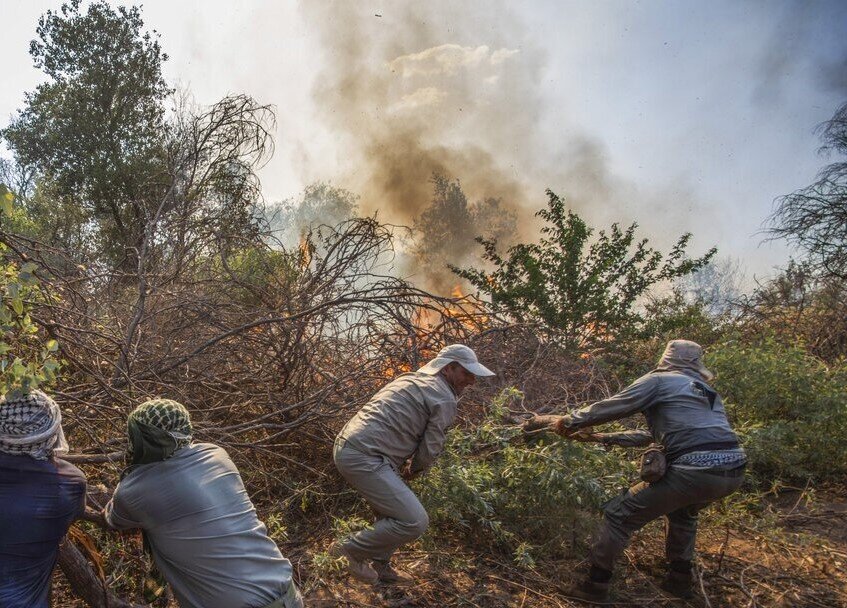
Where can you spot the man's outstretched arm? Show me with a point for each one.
(635, 398)
(626, 439)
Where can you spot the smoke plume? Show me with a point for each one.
(417, 90)
(414, 98)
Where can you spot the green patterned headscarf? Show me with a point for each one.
(157, 428)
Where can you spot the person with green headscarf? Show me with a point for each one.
(201, 527)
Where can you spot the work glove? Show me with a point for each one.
(538, 424)
(583, 436)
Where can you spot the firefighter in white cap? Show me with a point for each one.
(396, 436)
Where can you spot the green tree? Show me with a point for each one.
(585, 292)
(789, 406)
(26, 361)
(444, 228)
(92, 135)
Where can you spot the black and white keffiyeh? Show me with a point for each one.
(31, 425)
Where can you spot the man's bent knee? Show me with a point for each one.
(415, 526)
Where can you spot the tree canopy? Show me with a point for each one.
(93, 133)
(584, 291)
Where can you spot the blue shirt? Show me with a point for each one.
(39, 500)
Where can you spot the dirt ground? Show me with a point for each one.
(801, 561)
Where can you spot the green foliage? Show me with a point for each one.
(528, 498)
(672, 315)
(326, 566)
(92, 134)
(790, 407)
(584, 291)
(25, 362)
(277, 530)
(7, 202)
(344, 527)
(260, 275)
(665, 318)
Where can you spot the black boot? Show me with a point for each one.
(679, 580)
(595, 587)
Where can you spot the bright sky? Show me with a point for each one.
(696, 114)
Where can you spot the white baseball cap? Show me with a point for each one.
(460, 354)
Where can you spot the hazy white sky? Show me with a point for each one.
(692, 115)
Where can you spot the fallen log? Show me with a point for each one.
(92, 458)
(84, 582)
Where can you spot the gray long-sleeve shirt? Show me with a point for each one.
(682, 413)
(407, 418)
(205, 536)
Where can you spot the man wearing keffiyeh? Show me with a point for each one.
(32, 424)
(40, 496)
(157, 429)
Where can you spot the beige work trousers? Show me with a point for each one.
(401, 517)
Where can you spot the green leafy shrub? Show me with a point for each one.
(26, 361)
(531, 498)
(584, 290)
(259, 275)
(789, 406)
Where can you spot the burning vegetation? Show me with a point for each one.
(143, 263)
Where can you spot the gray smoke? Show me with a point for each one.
(454, 90)
(807, 39)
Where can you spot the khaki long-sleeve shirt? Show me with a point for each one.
(408, 418)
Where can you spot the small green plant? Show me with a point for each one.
(325, 566)
(523, 556)
(531, 498)
(26, 362)
(344, 527)
(277, 530)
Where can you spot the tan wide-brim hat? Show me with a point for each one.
(458, 353)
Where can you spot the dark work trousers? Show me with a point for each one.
(679, 495)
